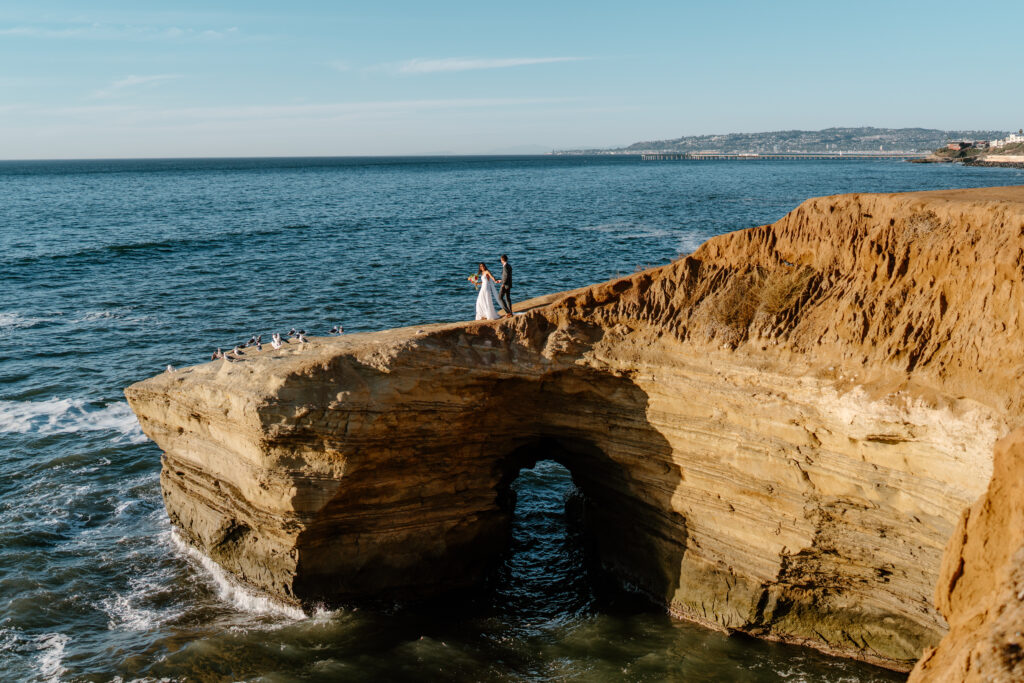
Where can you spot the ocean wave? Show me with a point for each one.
(122, 313)
(51, 655)
(8, 640)
(234, 593)
(147, 248)
(16, 321)
(106, 314)
(69, 416)
(628, 230)
(42, 655)
(129, 612)
(689, 243)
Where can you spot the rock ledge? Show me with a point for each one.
(777, 435)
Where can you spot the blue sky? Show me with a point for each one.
(129, 79)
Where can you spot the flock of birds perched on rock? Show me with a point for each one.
(276, 342)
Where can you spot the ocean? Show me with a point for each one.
(115, 269)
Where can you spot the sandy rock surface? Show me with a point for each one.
(778, 435)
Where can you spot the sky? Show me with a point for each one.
(212, 79)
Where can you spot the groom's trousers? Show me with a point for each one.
(505, 295)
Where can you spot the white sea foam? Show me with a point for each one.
(123, 313)
(127, 616)
(797, 675)
(106, 314)
(628, 230)
(689, 243)
(607, 227)
(68, 416)
(121, 507)
(128, 611)
(232, 592)
(14, 321)
(8, 639)
(51, 655)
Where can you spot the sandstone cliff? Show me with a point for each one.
(777, 434)
(981, 583)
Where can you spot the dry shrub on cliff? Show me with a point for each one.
(740, 302)
(760, 295)
(732, 310)
(780, 289)
(922, 227)
(921, 224)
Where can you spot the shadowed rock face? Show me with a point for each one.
(775, 435)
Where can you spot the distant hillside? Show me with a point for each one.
(830, 139)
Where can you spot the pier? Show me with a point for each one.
(848, 156)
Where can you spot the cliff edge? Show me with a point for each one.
(777, 434)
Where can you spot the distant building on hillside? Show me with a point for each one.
(957, 146)
(1008, 140)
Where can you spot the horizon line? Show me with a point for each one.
(310, 156)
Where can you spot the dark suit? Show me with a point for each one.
(505, 293)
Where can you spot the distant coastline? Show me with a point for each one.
(833, 141)
(999, 154)
(988, 160)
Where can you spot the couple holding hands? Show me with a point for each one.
(486, 306)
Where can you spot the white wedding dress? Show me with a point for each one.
(485, 300)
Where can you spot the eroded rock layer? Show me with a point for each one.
(775, 435)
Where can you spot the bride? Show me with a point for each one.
(485, 308)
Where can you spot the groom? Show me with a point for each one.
(505, 293)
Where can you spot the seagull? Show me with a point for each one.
(338, 330)
(259, 346)
(252, 341)
(291, 332)
(237, 351)
(170, 368)
(275, 341)
(302, 338)
(217, 354)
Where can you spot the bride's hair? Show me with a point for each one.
(482, 269)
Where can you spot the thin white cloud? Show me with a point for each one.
(340, 65)
(132, 82)
(41, 32)
(129, 115)
(452, 64)
(345, 109)
(98, 31)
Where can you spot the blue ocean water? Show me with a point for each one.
(114, 269)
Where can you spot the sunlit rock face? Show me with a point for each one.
(777, 434)
(981, 583)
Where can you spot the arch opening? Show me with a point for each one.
(609, 530)
(549, 571)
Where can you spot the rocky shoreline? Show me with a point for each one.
(990, 161)
(777, 435)
(995, 163)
